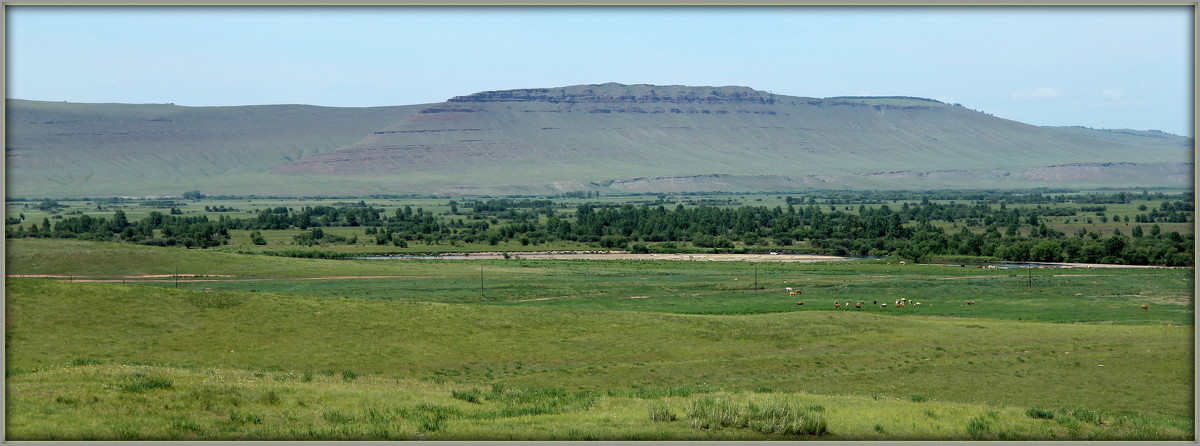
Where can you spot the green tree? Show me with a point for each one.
(913, 252)
(1114, 245)
(1046, 251)
(119, 221)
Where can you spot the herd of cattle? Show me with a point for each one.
(899, 303)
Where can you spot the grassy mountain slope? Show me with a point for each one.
(614, 137)
(64, 149)
(645, 138)
(1139, 137)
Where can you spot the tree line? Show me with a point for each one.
(1000, 232)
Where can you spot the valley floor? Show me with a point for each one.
(202, 345)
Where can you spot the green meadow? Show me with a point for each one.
(127, 342)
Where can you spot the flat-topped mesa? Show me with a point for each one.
(613, 93)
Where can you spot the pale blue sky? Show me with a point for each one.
(1103, 67)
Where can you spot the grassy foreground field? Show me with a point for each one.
(578, 350)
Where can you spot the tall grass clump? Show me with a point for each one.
(784, 417)
(143, 384)
(712, 413)
(660, 412)
(470, 396)
(183, 424)
(430, 417)
(85, 361)
(1088, 416)
(1039, 413)
(539, 401)
(979, 428)
(650, 393)
(337, 417)
(776, 416)
(242, 417)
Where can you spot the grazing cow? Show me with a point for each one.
(800, 303)
(916, 304)
(883, 305)
(858, 305)
(789, 289)
(794, 292)
(874, 302)
(1145, 307)
(970, 302)
(837, 305)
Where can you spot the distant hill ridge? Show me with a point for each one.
(604, 137)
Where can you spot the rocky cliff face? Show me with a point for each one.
(614, 93)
